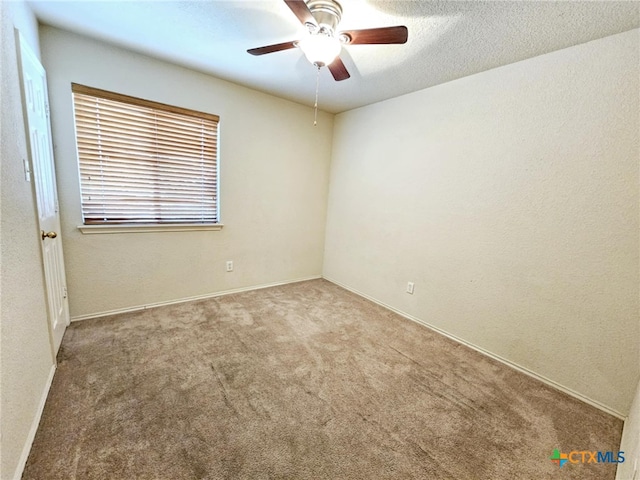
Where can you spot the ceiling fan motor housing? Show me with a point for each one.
(327, 14)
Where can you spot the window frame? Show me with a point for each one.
(136, 227)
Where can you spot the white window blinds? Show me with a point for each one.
(144, 162)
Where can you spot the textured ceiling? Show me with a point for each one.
(447, 39)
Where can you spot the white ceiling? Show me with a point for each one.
(447, 39)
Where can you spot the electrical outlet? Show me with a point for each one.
(410, 286)
(229, 265)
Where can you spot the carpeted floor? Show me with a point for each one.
(302, 381)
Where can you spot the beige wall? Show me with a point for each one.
(510, 198)
(274, 183)
(631, 442)
(26, 357)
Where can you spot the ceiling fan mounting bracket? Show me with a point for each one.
(327, 13)
(344, 38)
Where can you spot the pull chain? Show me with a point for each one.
(315, 106)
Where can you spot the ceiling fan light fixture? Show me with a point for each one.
(323, 42)
(320, 49)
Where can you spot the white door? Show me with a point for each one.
(36, 106)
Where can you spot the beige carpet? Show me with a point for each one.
(303, 381)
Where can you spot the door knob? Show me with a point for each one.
(48, 234)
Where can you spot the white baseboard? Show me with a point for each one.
(500, 359)
(188, 299)
(34, 426)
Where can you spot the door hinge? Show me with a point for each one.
(46, 109)
(64, 291)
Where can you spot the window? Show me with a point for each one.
(144, 163)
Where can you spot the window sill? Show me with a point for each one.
(186, 227)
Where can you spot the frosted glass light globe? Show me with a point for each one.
(320, 49)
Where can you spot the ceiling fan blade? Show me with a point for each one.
(384, 35)
(300, 9)
(272, 48)
(338, 70)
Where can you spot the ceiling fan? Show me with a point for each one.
(324, 42)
